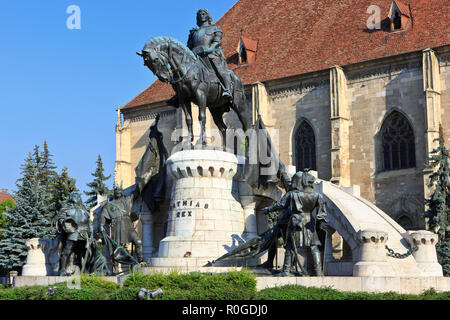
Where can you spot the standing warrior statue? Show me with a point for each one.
(206, 42)
(297, 223)
(117, 212)
(75, 232)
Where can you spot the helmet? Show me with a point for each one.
(303, 179)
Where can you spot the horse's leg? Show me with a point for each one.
(201, 98)
(237, 107)
(186, 106)
(238, 104)
(217, 115)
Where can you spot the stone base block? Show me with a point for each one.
(432, 269)
(373, 269)
(187, 269)
(37, 269)
(339, 268)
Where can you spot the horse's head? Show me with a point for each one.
(157, 63)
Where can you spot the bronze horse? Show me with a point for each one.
(194, 81)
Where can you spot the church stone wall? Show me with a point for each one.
(390, 87)
(294, 104)
(137, 125)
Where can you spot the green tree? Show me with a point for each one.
(63, 186)
(30, 219)
(47, 175)
(439, 203)
(5, 206)
(97, 186)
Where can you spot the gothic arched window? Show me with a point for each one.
(305, 147)
(397, 138)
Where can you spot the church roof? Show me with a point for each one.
(4, 195)
(404, 9)
(300, 36)
(249, 43)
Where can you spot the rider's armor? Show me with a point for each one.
(209, 37)
(76, 224)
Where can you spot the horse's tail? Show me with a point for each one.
(238, 104)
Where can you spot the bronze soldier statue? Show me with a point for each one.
(117, 212)
(206, 42)
(297, 224)
(75, 231)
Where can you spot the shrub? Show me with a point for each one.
(293, 292)
(25, 293)
(236, 285)
(91, 288)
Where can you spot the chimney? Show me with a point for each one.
(4, 191)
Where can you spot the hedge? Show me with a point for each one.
(292, 292)
(238, 285)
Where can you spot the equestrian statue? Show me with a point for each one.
(198, 73)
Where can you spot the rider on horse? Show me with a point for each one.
(206, 42)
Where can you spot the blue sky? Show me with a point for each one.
(64, 85)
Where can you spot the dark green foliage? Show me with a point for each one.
(63, 186)
(439, 203)
(193, 286)
(92, 288)
(97, 186)
(25, 293)
(47, 173)
(30, 219)
(443, 254)
(130, 293)
(5, 206)
(292, 292)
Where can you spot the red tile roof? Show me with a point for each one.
(250, 44)
(296, 36)
(404, 9)
(4, 197)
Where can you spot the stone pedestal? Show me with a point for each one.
(372, 260)
(251, 227)
(42, 257)
(425, 256)
(205, 219)
(147, 235)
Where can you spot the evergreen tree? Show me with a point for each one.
(30, 219)
(48, 175)
(63, 186)
(5, 206)
(97, 186)
(439, 204)
(443, 254)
